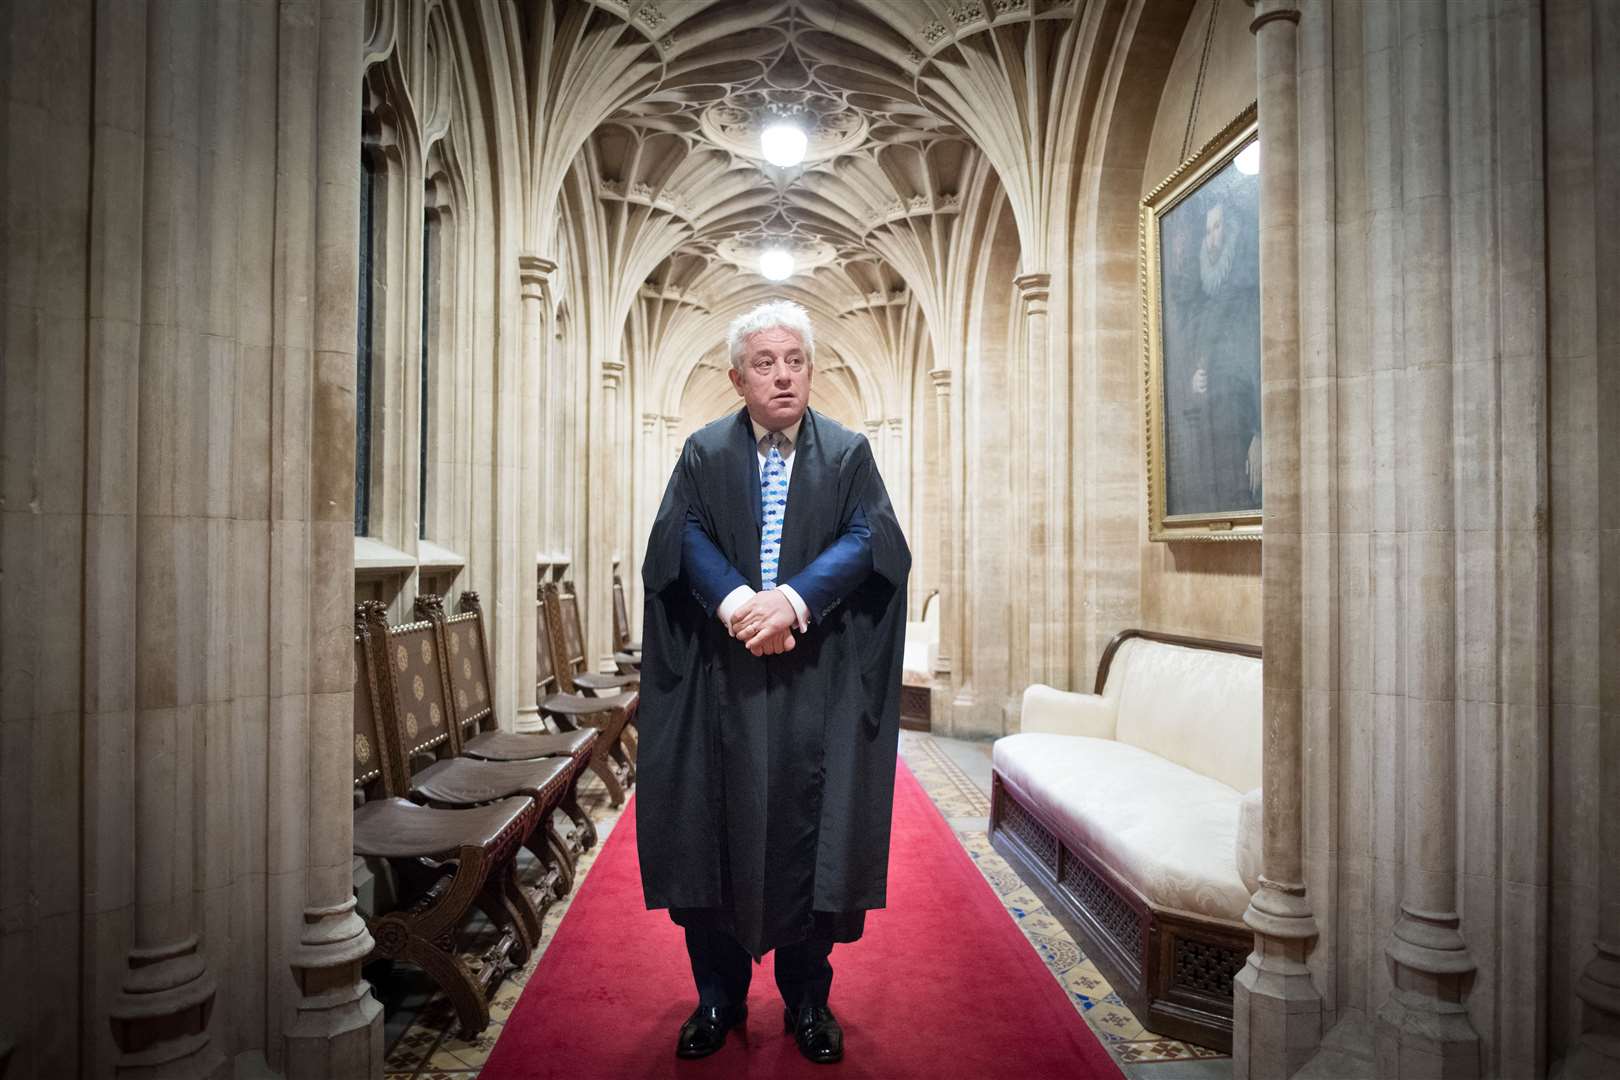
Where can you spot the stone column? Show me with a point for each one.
(534, 278)
(1277, 1010)
(880, 450)
(160, 1019)
(900, 482)
(604, 509)
(672, 449)
(1047, 489)
(1597, 1053)
(338, 1027)
(1423, 1028)
(944, 526)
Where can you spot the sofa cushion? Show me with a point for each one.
(1197, 707)
(1169, 831)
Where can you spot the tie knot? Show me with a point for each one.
(773, 440)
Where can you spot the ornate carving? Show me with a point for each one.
(1035, 836)
(1112, 913)
(1206, 968)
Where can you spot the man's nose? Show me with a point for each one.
(784, 377)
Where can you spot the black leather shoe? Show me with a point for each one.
(816, 1031)
(705, 1030)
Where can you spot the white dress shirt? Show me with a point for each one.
(736, 597)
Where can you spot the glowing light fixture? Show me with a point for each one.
(776, 264)
(1248, 159)
(783, 144)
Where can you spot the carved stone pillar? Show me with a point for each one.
(899, 481)
(1048, 490)
(880, 450)
(160, 1019)
(1597, 1053)
(534, 279)
(1277, 1011)
(1423, 1028)
(939, 455)
(338, 1029)
(604, 509)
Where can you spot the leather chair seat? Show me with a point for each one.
(400, 829)
(466, 780)
(527, 746)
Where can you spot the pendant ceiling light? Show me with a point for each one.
(776, 264)
(783, 144)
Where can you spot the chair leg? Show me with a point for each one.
(397, 938)
(472, 1009)
(584, 827)
(553, 871)
(506, 906)
(561, 857)
(604, 769)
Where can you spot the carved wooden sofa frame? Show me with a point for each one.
(1173, 969)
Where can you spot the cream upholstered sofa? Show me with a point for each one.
(917, 665)
(1135, 811)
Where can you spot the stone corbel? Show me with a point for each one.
(1034, 290)
(534, 276)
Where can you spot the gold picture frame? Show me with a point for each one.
(1201, 342)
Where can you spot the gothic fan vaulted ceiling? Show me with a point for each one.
(690, 204)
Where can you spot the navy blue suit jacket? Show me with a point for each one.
(830, 577)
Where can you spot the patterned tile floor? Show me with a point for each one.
(423, 1045)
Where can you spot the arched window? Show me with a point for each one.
(363, 352)
(430, 300)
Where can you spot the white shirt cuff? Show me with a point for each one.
(800, 611)
(734, 600)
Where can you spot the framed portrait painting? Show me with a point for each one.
(1200, 260)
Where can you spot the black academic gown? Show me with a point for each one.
(766, 784)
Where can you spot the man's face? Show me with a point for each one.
(1214, 229)
(775, 394)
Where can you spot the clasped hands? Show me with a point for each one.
(764, 623)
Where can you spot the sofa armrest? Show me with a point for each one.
(1249, 843)
(1059, 712)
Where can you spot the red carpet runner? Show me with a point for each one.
(943, 985)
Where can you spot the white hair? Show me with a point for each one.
(771, 315)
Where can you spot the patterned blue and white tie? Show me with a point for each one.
(773, 490)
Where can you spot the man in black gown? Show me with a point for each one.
(775, 617)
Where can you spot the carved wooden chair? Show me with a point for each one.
(418, 716)
(626, 653)
(445, 861)
(586, 743)
(572, 665)
(559, 622)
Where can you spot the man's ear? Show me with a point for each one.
(736, 381)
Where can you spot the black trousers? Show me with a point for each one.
(722, 968)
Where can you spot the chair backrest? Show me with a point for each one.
(573, 631)
(375, 773)
(1195, 702)
(415, 712)
(467, 652)
(545, 673)
(554, 628)
(621, 615)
